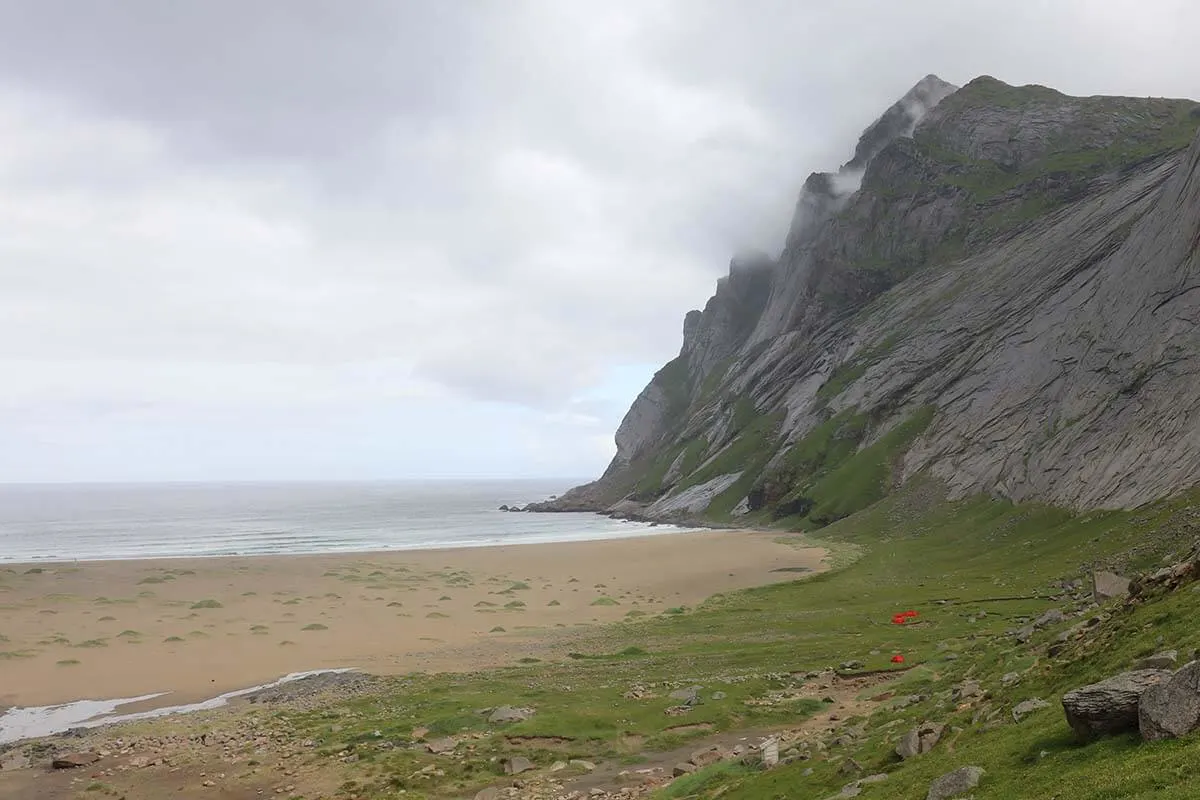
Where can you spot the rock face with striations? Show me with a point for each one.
(1000, 289)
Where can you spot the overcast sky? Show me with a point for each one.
(390, 238)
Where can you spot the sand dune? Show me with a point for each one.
(199, 627)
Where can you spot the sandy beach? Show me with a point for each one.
(195, 628)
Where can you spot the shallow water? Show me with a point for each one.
(64, 522)
(36, 721)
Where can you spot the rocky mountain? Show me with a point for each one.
(1001, 289)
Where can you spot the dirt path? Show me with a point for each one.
(206, 755)
(659, 767)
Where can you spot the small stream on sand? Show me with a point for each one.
(35, 721)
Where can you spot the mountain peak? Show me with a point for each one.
(900, 119)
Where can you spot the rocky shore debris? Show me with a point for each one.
(344, 683)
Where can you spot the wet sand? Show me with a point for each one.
(195, 628)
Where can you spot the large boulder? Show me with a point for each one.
(955, 784)
(1110, 706)
(1171, 708)
(1107, 586)
(919, 740)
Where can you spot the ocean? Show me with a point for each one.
(65, 522)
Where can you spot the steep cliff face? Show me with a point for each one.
(1008, 301)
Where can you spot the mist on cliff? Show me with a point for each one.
(271, 240)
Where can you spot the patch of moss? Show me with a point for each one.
(862, 479)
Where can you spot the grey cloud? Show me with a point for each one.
(274, 79)
(498, 200)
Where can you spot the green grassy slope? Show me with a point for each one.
(957, 564)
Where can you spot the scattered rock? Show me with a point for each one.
(346, 683)
(967, 690)
(443, 745)
(1027, 707)
(73, 760)
(709, 755)
(1010, 679)
(955, 784)
(851, 767)
(769, 753)
(1108, 586)
(919, 740)
(683, 768)
(515, 765)
(879, 777)
(488, 794)
(1172, 708)
(581, 764)
(689, 696)
(718, 695)
(1051, 617)
(504, 714)
(1023, 635)
(848, 666)
(1110, 706)
(1167, 659)
(909, 700)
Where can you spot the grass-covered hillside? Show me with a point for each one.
(974, 571)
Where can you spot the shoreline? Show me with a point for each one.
(644, 528)
(668, 529)
(196, 627)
